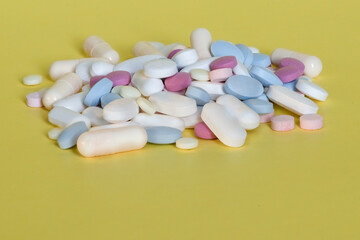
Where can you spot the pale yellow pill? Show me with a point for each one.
(32, 80)
(146, 105)
(54, 133)
(129, 92)
(200, 75)
(116, 89)
(187, 143)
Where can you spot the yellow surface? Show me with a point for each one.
(296, 185)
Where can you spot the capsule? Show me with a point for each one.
(201, 40)
(110, 141)
(95, 46)
(145, 48)
(313, 65)
(67, 85)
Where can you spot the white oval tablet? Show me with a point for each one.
(31, 80)
(95, 115)
(187, 143)
(185, 57)
(101, 68)
(73, 102)
(311, 89)
(159, 120)
(147, 86)
(64, 117)
(160, 68)
(120, 110)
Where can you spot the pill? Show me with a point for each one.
(307, 78)
(220, 75)
(265, 76)
(202, 131)
(261, 60)
(260, 106)
(282, 123)
(135, 64)
(146, 106)
(263, 97)
(73, 102)
(54, 133)
(129, 92)
(85, 88)
(311, 121)
(166, 50)
(95, 79)
(246, 116)
(288, 73)
(63, 117)
(173, 104)
(311, 90)
(119, 78)
(102, 87)
(108, 98)
(34, 99)
(31, 80)
(187, 143)
(292, 62)
(223, 62)
(177, 82)
(160, 68)
(65, 86)
(69, 136)
(173, 53)
(200, 74)
(243, 87)
(185, 57)
(201, 64)
(201, 40)
(120, 110)
(192, 120)
(198, 94)
(291, 100)
(159, 120)
(265, 118)
(222, 48)
(214, 89)
(240, 69)
(145, 48)
(116, 90)
(96, 47)
(95, 115)
(101, 68)
(113, 125)
(163, 135)
(291, 85)
(146, 85)
(254, 50)
(83, 70)
(248, 55)
(91, 144)
(157, 45)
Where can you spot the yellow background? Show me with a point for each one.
(295, 185)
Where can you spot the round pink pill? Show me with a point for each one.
(202, 131)
(119, 78)
(265, 118)
(292, 62)
(95, 79)
(311, 121)
(173, 52)
(223, 62)
(177, 82)
(220, 75)
(34, 99)
(282, 123)
(288, 73)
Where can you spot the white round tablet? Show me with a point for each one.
(32, 80)
(160, 68)
(187, 143)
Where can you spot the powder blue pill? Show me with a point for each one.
(198, 94)
(97, 91)
(291, 85)
(69, 136)
(108, 98)
(261, 60)
(243, 87)
(263, 97)
(223, 48)
(265, 76)
(260, 106)
(248, 55)
(163, 135)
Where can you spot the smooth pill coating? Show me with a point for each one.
(95, 79)
(220, 75)
(307, 78)
(94, 46)
(243, 87)
(160, 68)
(108, 98)
(145, 48)
(173, 104)
(254, 50)
(158, 120)
(34, 99)
(146, 85)
(202, 131)
(240, 69)
(224, 62)
(120, 110)
(73, 102)
(311, 89)
(201, 40)
(129, 92)
(110, 141)
(266, 77)
(261, 60)
(135, 64)
(213, 88)
(86, 88)
(223, 48)
(83, 70)
(114, 125)
(288, 73)
(187, 143)
(292, 62)
(69, 136)
(64, 117)
(260, 106)
(177, 82)
(163, 135)
(263, 97)
(97, 91)
(265, 118)
(31, 80)
(201, 64)
(291, 85)
(157, 45)
(198, 94)
(146, 106)
(54, 133)
(282, 123)
(119, 78)
(173, 53)
(166, 50)
(185, 57)
(291, 100)
(200, 75)
(223, 125)
(311, 121)
(95, 115)
(248, 55)
(101, 68)
(192, 120)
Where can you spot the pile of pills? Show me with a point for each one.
(219, 89)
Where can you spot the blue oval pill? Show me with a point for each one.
(163, 135)
(97, 91)
(69, 136)
(261, 60)
(108, 98)
(260, 106)
(265, 76)
(198, 94)
(223, 48)
(263, 97)
(291, 85)
(248, 55)
(243, 87)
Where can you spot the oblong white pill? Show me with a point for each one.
(101, 68)
(73, 102)
(64, 117)
(135, 64)
(185, 57)
(120, 110)
(201, 40)
(192, 120)
(114, 125)
(291, 100)
(54, 133)
(174, 104)
(311, 89)
(201, 64)
(31, 80)
(109, 141)
(223, 125)
(187, 143)
(214, 89)
(95, 115)
(147, 86)
(146, 106)
(199, 74)
(159, 120)
(160, 68)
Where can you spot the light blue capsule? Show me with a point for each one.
(243, 87)
(291, 85)
(261, 60)
(163, 135)
(265, 76)
(222, 48)
(69, 136)
(260, 106)
(97, 91)
(248, 55)
(198, 94)
(107, 98)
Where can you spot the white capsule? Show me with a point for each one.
(101, 68)
(120, 110)
(159, 120)
(64, 117)
(311, 90)
(160, 68)
(147, 86)
(145, 48)
(201, 64)
(201, 40)
(214, 89)
(95, 115)
(73, 102)
(135, 64)
(185, 57)
(94, 46)
(32, 80)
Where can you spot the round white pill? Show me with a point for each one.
(146, 105)
(101, 68)
(187, 143)
(160, 68)
(129, 92)
(32, 80)
(200, 74)
(185, 57)
(54, 133)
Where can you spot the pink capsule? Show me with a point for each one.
(224, 62)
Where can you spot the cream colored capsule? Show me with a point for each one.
(110, 141)
(145, 48)
(95, 46)
(201, 40)
(67, 85)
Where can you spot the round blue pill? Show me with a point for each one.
(223, 48)
(243, 87)
(163, 135)
(261, 60)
